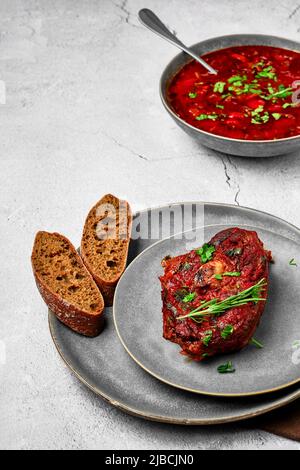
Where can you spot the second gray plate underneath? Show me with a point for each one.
(102, 364)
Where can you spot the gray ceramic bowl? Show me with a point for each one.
(243, 148)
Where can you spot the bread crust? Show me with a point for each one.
(107, 287)
(75, 318)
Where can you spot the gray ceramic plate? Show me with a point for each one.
(138, 320)
(104, 367)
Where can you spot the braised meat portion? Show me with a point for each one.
(230, 264)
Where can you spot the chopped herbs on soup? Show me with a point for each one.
(250, 98)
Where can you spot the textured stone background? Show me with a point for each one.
(82, 118)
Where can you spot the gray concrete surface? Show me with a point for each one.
(82, 118)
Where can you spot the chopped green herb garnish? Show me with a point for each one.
(282, 92)
(206, 252)
(266, 73)
(202, 117)
(253, 90)
(238, 83)
(219, 106)
(237, 78)
(219, 87)
(229, 274)
(258, 110)
(260, 119)
(207, 337)
(256, 343)
(227, 331)
(205, 355)
(276, 116)
(226, 368)
(258, 116)
(287, 105)
(189, 297)
(249, 88)
(292, 262)
(218, 307)
(192, 95)
(296, 344)
(226, 95)
(232, 274)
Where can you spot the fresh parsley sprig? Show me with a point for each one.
(227, 331)
(207, 337)
(206, 252)
(189, 297)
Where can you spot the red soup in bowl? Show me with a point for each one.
(252, 97)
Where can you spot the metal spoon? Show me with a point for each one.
(151, 21)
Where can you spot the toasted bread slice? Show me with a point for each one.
(105, 243)
(66, 285)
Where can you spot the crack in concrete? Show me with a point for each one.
(122, 7)
(119, 144)
(123, 146)
(139, 155)
(236, 200)
(228, 178)
(126, 14)
(133, 152)
(293, 13)
(144, 157)
(232, 183)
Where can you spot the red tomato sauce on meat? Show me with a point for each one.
(188, 281)
(250, 97)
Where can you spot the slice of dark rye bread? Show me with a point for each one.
(105, 242)
(66, 285)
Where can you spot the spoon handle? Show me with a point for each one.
(151, 21)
